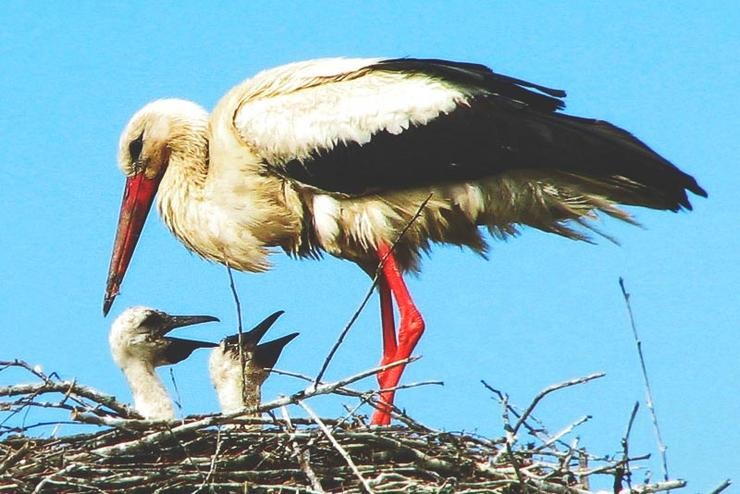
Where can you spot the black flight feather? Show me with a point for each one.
(505, 128)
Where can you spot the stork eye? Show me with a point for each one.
(135, 146)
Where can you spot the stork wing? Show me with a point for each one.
(403, 123)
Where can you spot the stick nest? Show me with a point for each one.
(231, 453)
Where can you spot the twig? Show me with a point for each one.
(178, 398)
(625, 472)
(366, 397)
(4, 364)
(500, 396)
(654, 487)
(369, 293)
(724, 485)
(49, 386)
(648, 391)
(304, 457)
(214, 460)
(567, 430)
(49, 478)
(240, 329)
(336, 445)
(549, 390)
(510, 438)
(12, 458)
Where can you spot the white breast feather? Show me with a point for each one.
(326, 211)
(226, 377)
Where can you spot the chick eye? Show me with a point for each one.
(134, 148)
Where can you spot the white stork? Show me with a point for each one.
(234, 389)
(337, 155)
(138, 345)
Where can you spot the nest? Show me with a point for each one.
(231, 453)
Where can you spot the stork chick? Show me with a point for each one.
(138, 345)
(234, 389)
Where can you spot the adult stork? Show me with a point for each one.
(237, 389)
(138, 345)
(338, 155)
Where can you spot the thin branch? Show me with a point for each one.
(654, 487)
(648, 390)
(240, 329)
(724, 485)
(567, 430)
(214, 460)
(178, 398)
(624, 472)
(551, 389)
(517, 413)
(303, 455)
(336, 445)
(65, 387)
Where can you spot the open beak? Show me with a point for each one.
(251, 338)
(137, 200)
(179, 349)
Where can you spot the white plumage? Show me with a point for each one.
(138, 345)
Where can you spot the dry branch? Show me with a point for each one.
(648, 390)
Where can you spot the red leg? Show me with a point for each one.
(389, 325)
(410, 328)
(390, 346)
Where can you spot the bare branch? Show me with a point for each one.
(551, 389)
(655, 487)
(240, 329)
(336, 445)
(724, 485)
(648, 391)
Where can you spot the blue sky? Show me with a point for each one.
(541, 310)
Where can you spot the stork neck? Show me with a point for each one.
(233, 397)
(187, 168)
(150, 396)
(180, 197)
(236, 391)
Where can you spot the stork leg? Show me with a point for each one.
(411, 326)
(389, 325)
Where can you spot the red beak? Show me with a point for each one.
(137, 200)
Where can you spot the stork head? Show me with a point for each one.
(257, 357)
(158, 132)
(139, 334)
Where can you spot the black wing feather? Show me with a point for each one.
(478, 76)
(505, 128)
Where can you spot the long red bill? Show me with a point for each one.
(137, 200)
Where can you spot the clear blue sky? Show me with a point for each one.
(542, 310)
